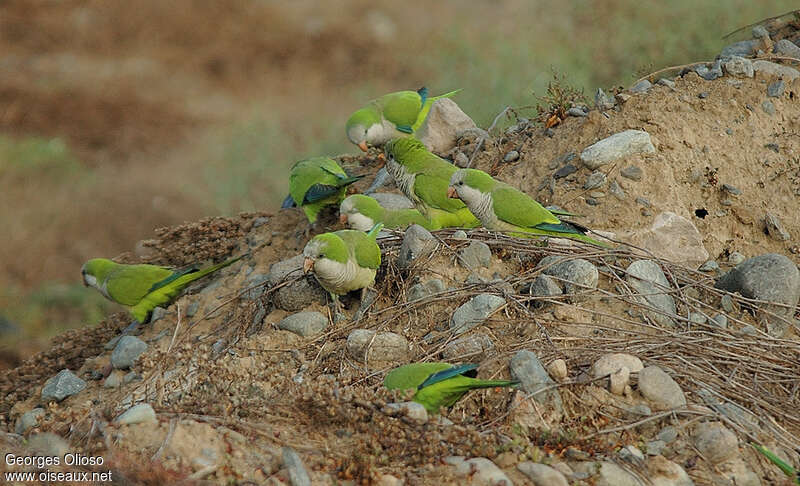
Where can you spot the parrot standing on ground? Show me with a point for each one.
(424, 177)
(392, 115)
(141, 287)
(501, 207)
(362, 212)
(315, 183)
(439, 384)
(344, 260)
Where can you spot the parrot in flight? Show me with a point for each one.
(343, 261)
(141, 287)
(424, 177)
(439, 384)
(786, 468)
(392, 115)
(362, 212)
(315, 183)
(501, 207)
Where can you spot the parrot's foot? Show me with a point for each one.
(132, 329)
(336, 310)
(368, 297)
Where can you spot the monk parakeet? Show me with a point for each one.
(786, 468)
(501, 207)
(315, 183)
(438, 384)
(423, 177)
(392, 115)
(362, 212)
(141, 287)
(344, 260)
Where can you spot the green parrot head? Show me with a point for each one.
(326, 245)
(359, 124)
(402, 149)
(95, 271)
(360, 212)
(470, 185)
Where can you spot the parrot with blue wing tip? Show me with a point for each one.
(392, 115)
(439, 384)
(424, 177)
(362, 212)
(141, 287)
(315, 183)
(501, 207)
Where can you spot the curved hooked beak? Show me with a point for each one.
(381, 160)
(363, 146)
(308, 264)
(342, 218)
(451, 192)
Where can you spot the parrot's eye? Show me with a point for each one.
(461, 183)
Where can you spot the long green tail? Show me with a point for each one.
(426, 108)
(787, 469)
(562, 231)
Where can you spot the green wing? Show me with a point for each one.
(402, 218)
(320, 173)
(402, 108)
(130, 283)
(412, 375)
(516, 207)
(433, 192)
(363, 248)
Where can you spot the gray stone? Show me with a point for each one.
(641, 87)
(127, 351)
(667, 434)
(612, 362)
(647, 279)
(390, 200)
(709, 73)
(726, 302)
(473, 346)
(592, 201)
(736, 258)
(413, 411)
(775, 229)
(785, 47)
(631, 172)
(775, 89)
(732, 190)
(112, 343)
(542, 474)
(475, 312)
(596, 179)
(382, 346)
(759, 32)
(459, 235)
(666, 82)
(534, 379)
(616, 190)
(131, 377)
(611, 474)
(565, 171)
(697, 318)
(443, 126)
(158, 313)
(603, 101)
(617, 146)
(28, 420)
(423, 290)
(658, 387)
(114, 380)
(476, 255)
(577, 111)
(511, 156)
(481, 471)
(703, 95)
(739, 66)
(137, 414)
(655, 447)
(709, 266)
(768, 68)
(715, 442)
(768, 107)
(61, 386)
(192, 309)
(304, 323)
(296, 295)
(744, 48)
(631, 454)
(577, 274)
(418, 243)
(544, 286)
(298, 474)
(642, 201)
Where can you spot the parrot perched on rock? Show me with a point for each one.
(362, 212)
(315, 183)
(141, 287)
(501, 207)
(344, 260)
(392, 115)
(438, 384)
(786, 468)
(424, 177)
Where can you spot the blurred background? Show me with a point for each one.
(118, 117)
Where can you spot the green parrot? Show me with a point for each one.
(501, 207)
(141, 287)
(423, 177)
(392, 115)
(438, 384)
(344, 260)
(361, 212)
(315, 183)
(786, 468)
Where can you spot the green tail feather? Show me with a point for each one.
(373, 233)
(426, 107)
(786, 468)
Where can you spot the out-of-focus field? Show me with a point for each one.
(118, 117)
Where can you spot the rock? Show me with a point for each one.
(642, 201)
(775, 229)
(413, 411)
(612, 475)
(114, 380)
(49, 444)
(612, 362)
(389, 480)
(655, 447)
(418, 243)
(565, 171)
(732, 190)
(390, 200)
(663, 472)
(785, 47)
(631, 454)
(739, 66)
(703, 95)
(296, 295)
(673, 238)
(158, 313)
(770, 277)
(481, 470)
(715, 442)
(298, 475)
(603, 101)
(473, 347)
(474, 312)
(736, 258)
(726, 302)
(641, 87)
(658, 387)
(423, 290)
(709, 266)
(541, 474)
(667, 434)
(476, 255)
(760, 32)
(596, 179)
(647, 279)
(445, 122)
(768, 107)
(544, 286)
(720, 320)
(28, 420)
(709, 73)
(382, 346)
(127, 351)
(775, 89)
(304, 323)
(666, 82)
(137, 414)
(577, 275)
(767, 68)
(511, 156)
(557, 369)
(616, 147)
(526, 367)
(744, 48)
(577, 111)
(61, 386)
(459, 235)
(697, 318)
(616, 190)
(619, 380)
(631, 172)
